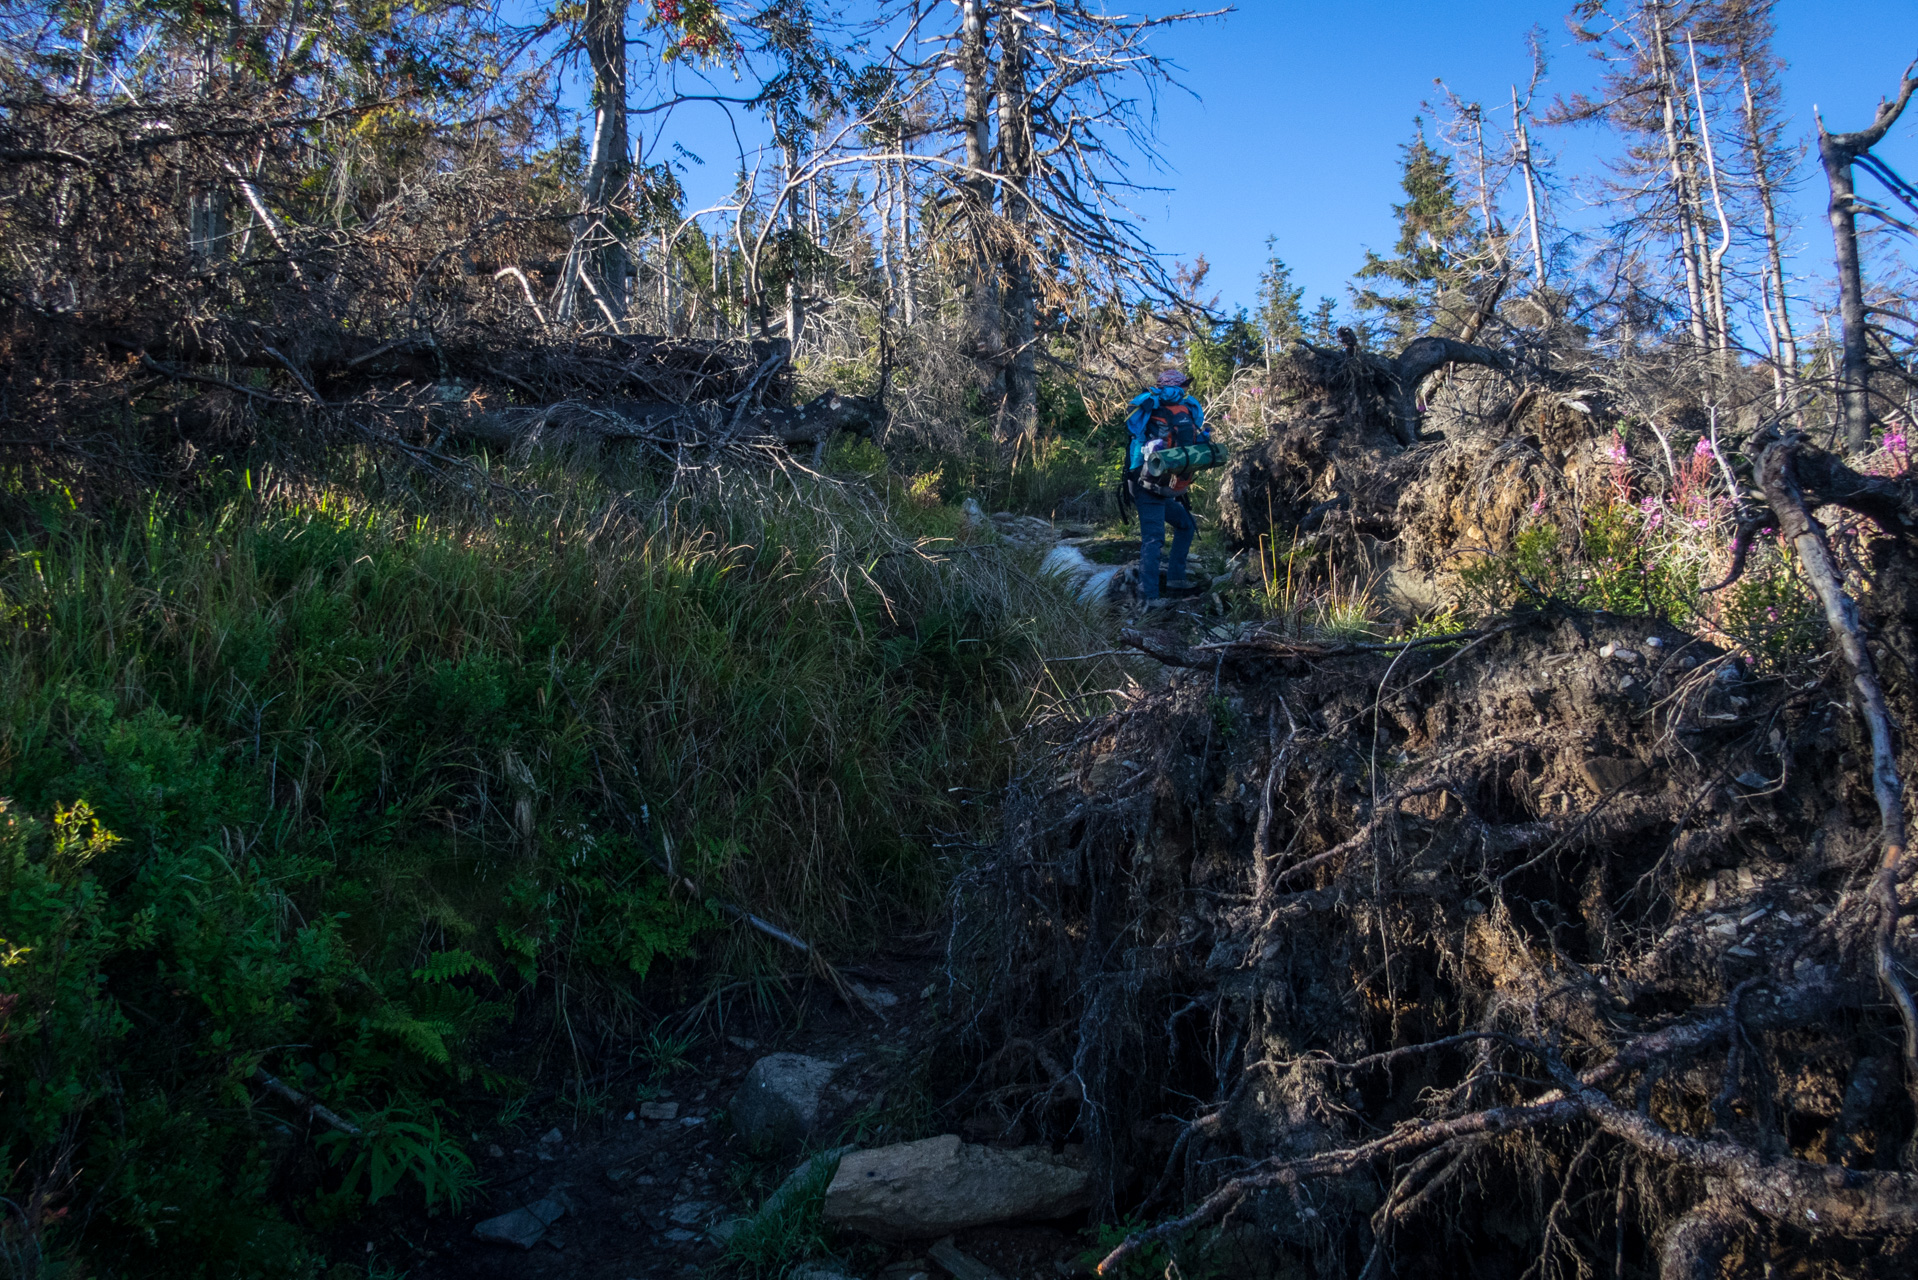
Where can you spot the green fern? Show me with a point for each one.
(444, 966)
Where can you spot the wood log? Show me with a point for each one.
(814, 423)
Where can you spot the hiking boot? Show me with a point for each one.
(1155, 604)
(1184, 587)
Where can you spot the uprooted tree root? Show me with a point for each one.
(1501, 951)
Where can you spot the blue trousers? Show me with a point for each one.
(1155, 513)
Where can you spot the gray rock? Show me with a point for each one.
(922, 1190)
(958, 1265)
(688, 1212)
(779, 1104)
(817, 1271)
(522, 1227)
(1605, 774)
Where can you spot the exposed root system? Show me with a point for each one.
(1512, 954)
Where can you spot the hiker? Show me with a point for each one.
(1164, 417)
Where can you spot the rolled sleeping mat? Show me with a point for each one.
(1191, 457)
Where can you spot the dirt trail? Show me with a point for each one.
(644, 1195)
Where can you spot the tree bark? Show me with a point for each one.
(1778, 306)
(1837, 152)
(1668, 101)
(1721, 321)
(1021, 303)
(1531, 190)
(1421, 358)
(613, 422)
(988, 334)
(597, 263)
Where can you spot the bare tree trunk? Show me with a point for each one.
(883, 198)
(597, 260)
(1778, 304)
(1837, 152)
(907, 285)
(795, 309)
(1669, 100)
(1531, 190)
(1720, 317)
(1015, 145)
(987, 331)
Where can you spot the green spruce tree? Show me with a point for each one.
(1281, 316)
(1422, 288)
(1325, 321)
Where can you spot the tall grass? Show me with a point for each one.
(412, 754)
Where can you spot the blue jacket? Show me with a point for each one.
(1142, 406)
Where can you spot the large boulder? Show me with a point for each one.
(920, 1190)
(781, 1103)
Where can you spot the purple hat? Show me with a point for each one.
(1173, 377)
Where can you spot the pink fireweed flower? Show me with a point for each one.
(1538, 503)
(1703, 449)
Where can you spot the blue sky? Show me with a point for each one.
(1301, 109)
(1304, 107)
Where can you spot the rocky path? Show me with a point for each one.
(650, 1189)
(652, 1185)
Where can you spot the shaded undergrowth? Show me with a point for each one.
(325, 777)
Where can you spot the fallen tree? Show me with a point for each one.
(1571, 937)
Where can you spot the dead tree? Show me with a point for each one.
(597, 261)
(1032, 95)
(1838, 152)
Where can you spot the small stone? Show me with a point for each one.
(552, 1138)
(690, 1121)
(874, 997)
(679, 1235)
(1745, 953)
(631, 1116)
(523, 1227)
(780, 1102)
(741, 1042)
(659, 1111)
(1625, 655)
(1605, 774)
(1753, 779)
(687, 1212)
(495, 1152)
(1654, 642)
(816, 1271)
(1608, 650)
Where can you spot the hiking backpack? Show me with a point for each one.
(1164, 418)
